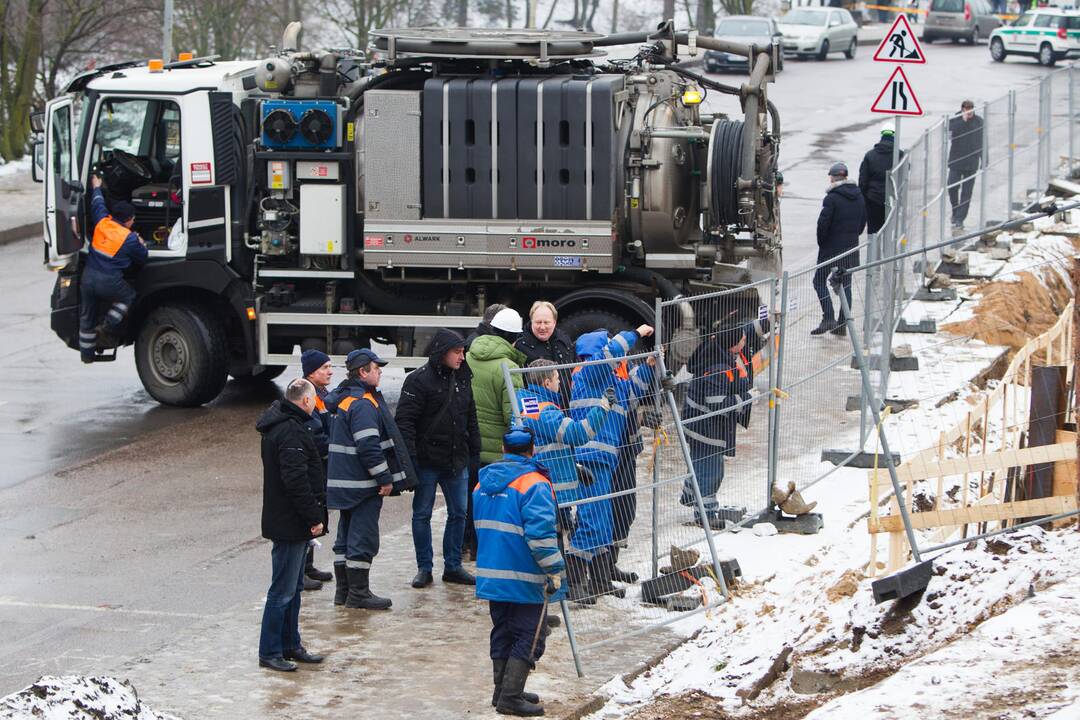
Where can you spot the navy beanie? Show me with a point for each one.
(312, 360)
(122, 211)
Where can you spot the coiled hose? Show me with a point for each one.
(726, 168)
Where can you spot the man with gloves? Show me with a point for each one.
(518, 566)
(368, 461)
(592, 554)
(437, 417)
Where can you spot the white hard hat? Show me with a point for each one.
(507, 320)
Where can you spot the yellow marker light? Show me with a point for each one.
(691, 97)
(156, 65)
(184, 57)
(251, 313)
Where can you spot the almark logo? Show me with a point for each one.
(533, 243)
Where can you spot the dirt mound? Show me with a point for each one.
(1011, 312)
(845, 587)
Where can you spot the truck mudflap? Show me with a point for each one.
(64, 319)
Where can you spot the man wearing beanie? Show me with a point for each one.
(841, 222)
(318, 371)
(114, 248)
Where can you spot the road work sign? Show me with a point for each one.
(897, 97)
(900, 45)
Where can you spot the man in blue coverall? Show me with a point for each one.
(368, 461)
(113, 249)
(591, 550)
(518, 566)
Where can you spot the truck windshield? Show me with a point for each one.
(804, 17)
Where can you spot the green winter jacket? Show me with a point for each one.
(486, 357)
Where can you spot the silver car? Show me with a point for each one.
(956, 20)
(818, 31)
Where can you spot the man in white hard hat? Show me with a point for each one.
(486, 356)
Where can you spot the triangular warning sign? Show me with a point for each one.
(897, 97)
(900, 44)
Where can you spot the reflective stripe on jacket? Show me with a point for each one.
(722, 385)
(518, 546)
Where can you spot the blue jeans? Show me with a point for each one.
(455, 489)
(281, 616)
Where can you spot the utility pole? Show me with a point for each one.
(166, 50)
(530, 14)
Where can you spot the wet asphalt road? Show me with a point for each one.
(124, 524)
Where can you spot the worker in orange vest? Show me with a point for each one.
(115, 247)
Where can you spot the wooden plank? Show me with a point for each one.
(979, 513)
(996, 461)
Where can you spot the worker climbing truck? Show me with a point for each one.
(332, 198)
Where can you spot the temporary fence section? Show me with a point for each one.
(632, 518)
(996, 466)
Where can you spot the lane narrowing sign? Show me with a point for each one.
(897, 97)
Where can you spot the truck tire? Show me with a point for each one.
(584, 321)
(181, 355)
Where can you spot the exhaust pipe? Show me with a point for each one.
(290, 39)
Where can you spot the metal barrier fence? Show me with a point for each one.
(630, 511)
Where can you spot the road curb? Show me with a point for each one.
(20, 232)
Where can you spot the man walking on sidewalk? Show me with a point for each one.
(965, 158)
(437, 417)
(518, 566)
(293, 512)
(841, 222)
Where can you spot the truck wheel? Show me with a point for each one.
(585, 321)
(181, 355)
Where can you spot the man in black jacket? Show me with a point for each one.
(437, 417)
(841, 222)
(542, 340)
(873, 176)
(318, 370)
(293, 512)
(965, 157)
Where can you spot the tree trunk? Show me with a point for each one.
(669, 9)
(614, 16)
(463, 13)
(19, 98)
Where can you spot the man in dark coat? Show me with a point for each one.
(318, 370)
(293, 512)
(874, 175)
(841, 222)
(965, 157)
(437, 417)
(542, 340)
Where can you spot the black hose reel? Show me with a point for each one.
(725, 167)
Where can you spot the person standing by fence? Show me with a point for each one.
(841, 222)
(874, 177)
(542, 340)
(965, 158)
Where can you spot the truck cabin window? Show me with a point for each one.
(137, 152)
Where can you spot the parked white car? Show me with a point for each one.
(1047, 34)
(819, 31)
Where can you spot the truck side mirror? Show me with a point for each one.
(37, 121)
(37, 166)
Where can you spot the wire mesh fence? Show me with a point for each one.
(632, 523)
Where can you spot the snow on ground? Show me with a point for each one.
(808, 597)
(21, 165)
(75, 696)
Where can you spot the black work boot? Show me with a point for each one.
(360, 595)
(341, 586)
(620, 575)
(841, 327)
(313, 572)
(498, 667)
(600, 576)
(577, 578)
(512, 696)
(826, 324)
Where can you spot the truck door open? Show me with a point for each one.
(63, 190)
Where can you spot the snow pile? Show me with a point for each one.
(76, 696)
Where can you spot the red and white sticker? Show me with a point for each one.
(201, 173)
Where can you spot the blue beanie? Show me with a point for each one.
(312, 360)
(518, 437)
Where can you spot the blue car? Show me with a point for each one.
(745, 29)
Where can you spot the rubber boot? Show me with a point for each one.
(600, 576)
(341, 587)
(577, 579)
(313, 572)
(360, 595)
(512, 696)
(620, 575)
(824, 326)
(498, 667)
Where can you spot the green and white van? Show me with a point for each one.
(1048, 34)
